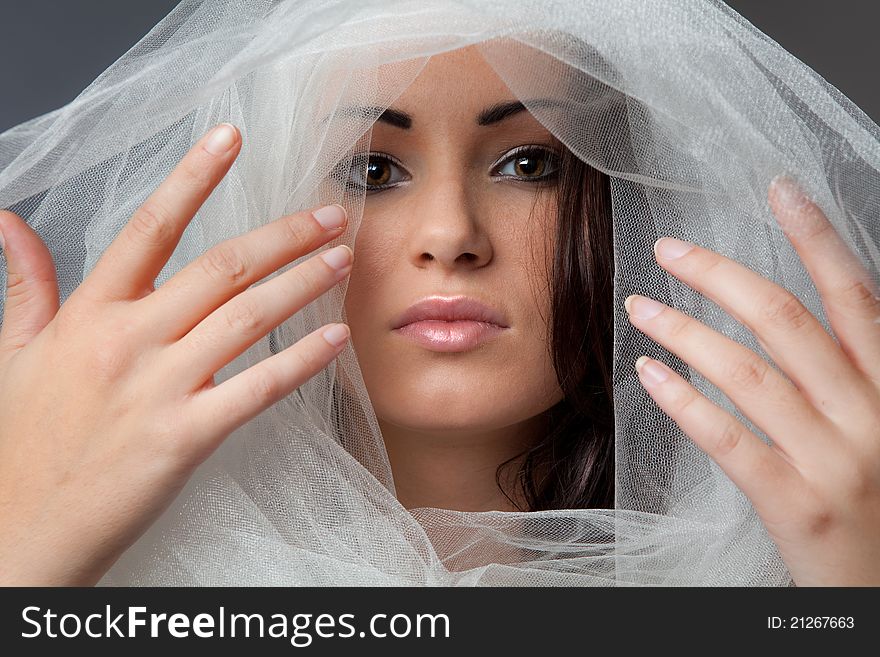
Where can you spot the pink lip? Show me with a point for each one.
(450, 323)
(458, 335)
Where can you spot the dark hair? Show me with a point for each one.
(573, 465)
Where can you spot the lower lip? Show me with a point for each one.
(460, 335)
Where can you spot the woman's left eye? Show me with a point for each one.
(529, 163)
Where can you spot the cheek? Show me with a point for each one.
(532, 250)
(370, 279)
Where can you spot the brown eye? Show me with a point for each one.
(529, 163)
(374, 175)
(378, 172)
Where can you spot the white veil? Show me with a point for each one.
(687, 107)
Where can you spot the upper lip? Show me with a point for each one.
(450, 309)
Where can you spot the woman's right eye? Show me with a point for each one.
(375, 174)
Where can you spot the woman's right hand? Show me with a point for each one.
(108, 403)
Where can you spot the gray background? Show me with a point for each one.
(51, 49)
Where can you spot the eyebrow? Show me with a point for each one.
(490, 116)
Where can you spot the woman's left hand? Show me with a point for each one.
(817, 487)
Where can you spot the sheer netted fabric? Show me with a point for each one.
(686, 106)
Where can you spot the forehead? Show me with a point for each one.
(461, 77)
(457, 91)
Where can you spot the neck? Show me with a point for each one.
(455, 468)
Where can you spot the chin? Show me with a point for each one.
(469, 391)
(451, 407)
(431, 422)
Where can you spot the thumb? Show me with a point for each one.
(31, 284)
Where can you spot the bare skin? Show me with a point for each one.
(85, 469)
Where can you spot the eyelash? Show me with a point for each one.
(518, 153)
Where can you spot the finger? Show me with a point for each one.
(849, 293)
(233, 327)
(31, 284)
(221, 409)
(758, 390)
(788, 332)
(760, 471)
(226, 269)
(130, 265)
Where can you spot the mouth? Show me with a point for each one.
(450, 323)
(450, 336)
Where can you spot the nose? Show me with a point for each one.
(449, 230)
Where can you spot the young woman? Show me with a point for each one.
(479, 306)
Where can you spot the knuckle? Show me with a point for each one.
(682, 402)
(815, 224)
(858, 296)
(298, 228)
(714, 261)
(679, 328)
(153, 223)
(784, 310)
(175, 440)
(17, 286)
(862, 420)
(266, 388)
(730, 437)
(817, 520)
(243, 317)
(307, 281)
(307, 360)
(710, 266)
(863, 482)
(196, 177)
(223, 264)
(748, 372)
(126, 326)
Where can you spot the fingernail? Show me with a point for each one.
(338, 257)
(336, 335)
(220, 139)
(671, 248)
(652, 371)
(788, 191)
(642, 307)
(330, 216)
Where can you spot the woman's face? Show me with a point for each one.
(453, 219)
